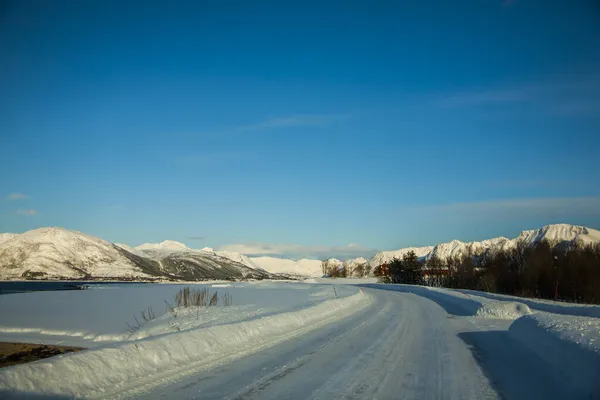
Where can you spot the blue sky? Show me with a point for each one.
(308, 128)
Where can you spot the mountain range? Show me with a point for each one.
(57, 253)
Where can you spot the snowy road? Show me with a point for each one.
(307, 341)
(402, 346)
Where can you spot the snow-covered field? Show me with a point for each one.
(100, 315)
(262, 314)
(319, 338)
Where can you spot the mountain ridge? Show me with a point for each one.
(53, 252)
(58, 253)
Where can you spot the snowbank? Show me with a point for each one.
(569, 345)
(503, 310)
(556, 307)
(108, 371)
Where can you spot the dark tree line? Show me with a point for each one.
(567, 273)
(407, 270)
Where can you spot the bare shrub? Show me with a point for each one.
(200, 297)
(226, 300)
(182, 298)
(147, 315)
(214, 299)
(187, 297)
(170, 309)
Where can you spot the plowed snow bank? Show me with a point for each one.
(503, 310)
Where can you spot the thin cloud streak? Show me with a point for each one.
(17, 196)
(579, 107)
(292, 121)
(217, 157)
(579, 205)
(26, 212)
(272, 124)
(574, 96)
(482, 97)
(199, 238)
(528, 184)
(353, 250)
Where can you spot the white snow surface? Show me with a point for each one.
(101, 314)
(503, 310)
(372, 341)
(6, 236)
(199, 343)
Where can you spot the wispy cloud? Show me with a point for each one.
(535, 183)
(29, 212)
(561, 206)
(197, 237)
(299, 251)
(215, 157)
(579, 107)
(483, 97)
(17, 196)
(567, 96)
(291, 121)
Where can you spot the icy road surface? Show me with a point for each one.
(402, 346)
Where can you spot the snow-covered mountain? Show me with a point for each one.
(56, 253)
(350, 265)
(177, 255)
(457, 248)
(177, 258)
(353, 262)
(386, 256)
(6, 236)
(201, 265)
(304, 267)
(235, 256)
(557, 234)
(560, 234)
(130, 249)
(59, 253)
(164, 246)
